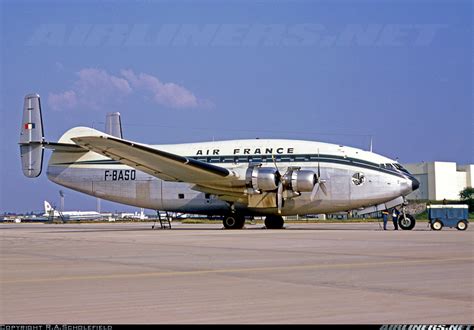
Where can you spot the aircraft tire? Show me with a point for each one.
(234, 221)
(406, 222)
(274, 222)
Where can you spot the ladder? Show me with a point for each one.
(165, 223)
(53, 219)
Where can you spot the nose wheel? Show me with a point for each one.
(406, 221)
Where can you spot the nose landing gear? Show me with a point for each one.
(406, 221)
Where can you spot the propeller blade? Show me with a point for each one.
(315, 190)
(323, 187)
(280, 197)
(319, 168)
(274, 163)
(319, 183)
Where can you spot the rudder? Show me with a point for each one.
(113, 124)
(32, 137)
(47, 207)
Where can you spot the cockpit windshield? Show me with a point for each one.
(394, 166)
(387, 166)
(400, 167)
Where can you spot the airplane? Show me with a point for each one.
(49, 211)
(233, 178)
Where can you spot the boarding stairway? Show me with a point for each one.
(165, 223)
(52, 218)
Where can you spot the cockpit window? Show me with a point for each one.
(388, 166)
(394, 166)
(400, 167)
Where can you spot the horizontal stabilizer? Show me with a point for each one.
(63, 147)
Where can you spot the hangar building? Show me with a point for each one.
(440, 180)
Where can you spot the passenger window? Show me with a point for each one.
(181, 196)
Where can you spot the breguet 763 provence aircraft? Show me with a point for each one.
(236, 178)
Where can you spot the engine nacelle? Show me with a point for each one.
(262, 178)
(300, 180)
(267, 179)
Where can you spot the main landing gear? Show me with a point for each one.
(234, 221)
(274, 222)
(237, 221)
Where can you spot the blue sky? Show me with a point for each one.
(185, 71)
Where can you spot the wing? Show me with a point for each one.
(158, 163)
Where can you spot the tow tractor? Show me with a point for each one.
(448, 216)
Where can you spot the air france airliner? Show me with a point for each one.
(234, 178)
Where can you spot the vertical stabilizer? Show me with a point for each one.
(113, 124)
(47, 207)
(31, 137)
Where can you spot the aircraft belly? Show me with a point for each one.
(115, 184)
(126, 185)
(69, 178)
(139, 190)
(179, 197)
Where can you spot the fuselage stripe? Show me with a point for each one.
(290, 158)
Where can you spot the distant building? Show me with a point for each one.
(440, 180)
(137, 215)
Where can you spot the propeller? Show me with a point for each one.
(315, 190)
(280, 187)
(280, 196)
(319, 182)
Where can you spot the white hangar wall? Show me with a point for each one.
(440, 180)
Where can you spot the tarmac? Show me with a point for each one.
(127, 273)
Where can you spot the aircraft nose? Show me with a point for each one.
(415, 184)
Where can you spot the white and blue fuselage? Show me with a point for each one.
(353, 178)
